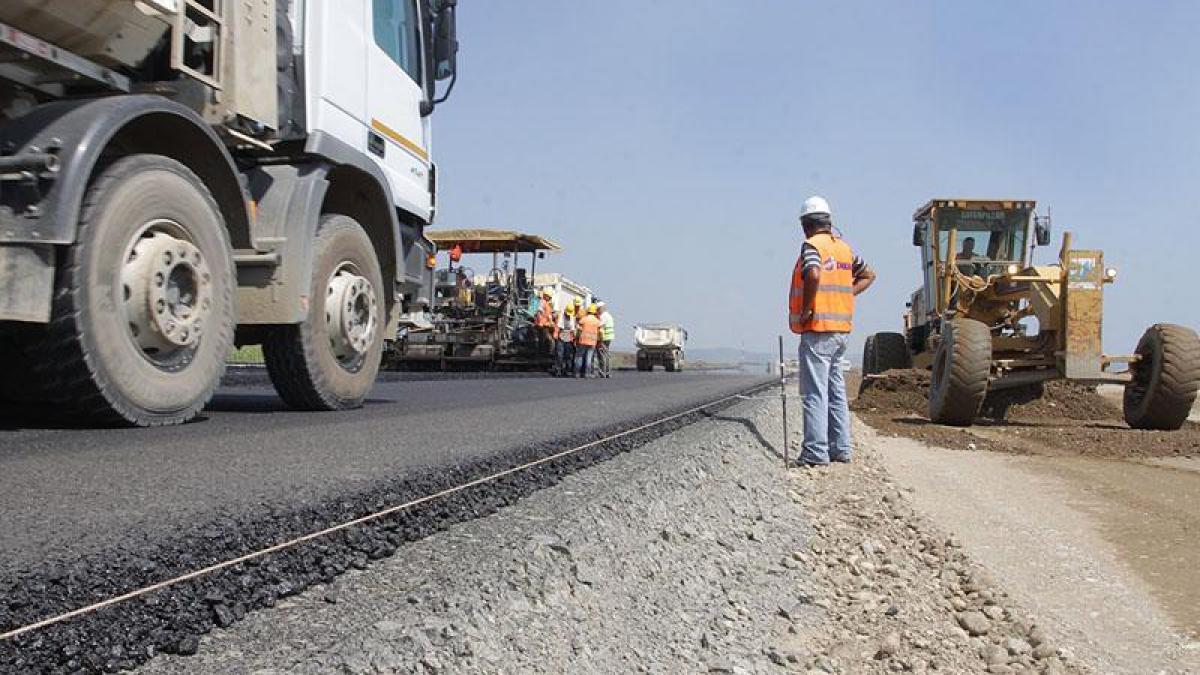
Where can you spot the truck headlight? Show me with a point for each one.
(1110, 273)
(1014, 268)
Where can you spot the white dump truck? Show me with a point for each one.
(660, 344)
(563, 291)
(180, 176)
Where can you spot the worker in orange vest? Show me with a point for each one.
(826, 278)
(543, 320)
(585, 350)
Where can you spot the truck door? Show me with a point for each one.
(397, 135)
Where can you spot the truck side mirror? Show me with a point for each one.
(445, 42)
(918, 235)
(1041, 232)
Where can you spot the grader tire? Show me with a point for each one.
(315, 365)
(891, 352)
(870, 356)
(1165, 380)
(961, 367)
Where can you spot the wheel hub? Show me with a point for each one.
(167, 290)
(351, 314)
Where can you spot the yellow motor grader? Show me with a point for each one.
(992, 327)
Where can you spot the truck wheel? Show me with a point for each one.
(329, 362)
(669, 364)
(961, 366)
(143, 308)
(891, 352)
(1165, 380)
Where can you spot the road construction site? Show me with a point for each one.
(684, 545)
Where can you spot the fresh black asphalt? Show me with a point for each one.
(92, 512)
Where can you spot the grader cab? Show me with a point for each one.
(992, 327)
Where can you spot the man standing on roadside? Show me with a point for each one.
(826, 278)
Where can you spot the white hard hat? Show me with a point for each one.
(814, 205)
(601, 304)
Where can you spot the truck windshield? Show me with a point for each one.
(987, 241)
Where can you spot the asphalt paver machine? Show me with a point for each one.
(992, 327)
(480, 318)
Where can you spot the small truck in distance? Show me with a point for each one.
(660, 344)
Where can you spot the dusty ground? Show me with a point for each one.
(1092, 522)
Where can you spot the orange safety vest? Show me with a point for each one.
(545, 315)
(589, 331)
(833, 311)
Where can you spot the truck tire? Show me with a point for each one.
(1165, 380)
(143, 314)
(885, 351)
(961, 366)
(330, 361)
(669, 363)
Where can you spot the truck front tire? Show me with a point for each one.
(143, 307)
(330, 361)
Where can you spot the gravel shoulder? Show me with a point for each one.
(695, 552)
(1051, 532)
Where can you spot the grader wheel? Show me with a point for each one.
(1165, 380)
(884, 352)
(961, 367)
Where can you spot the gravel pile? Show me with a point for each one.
(693, 553)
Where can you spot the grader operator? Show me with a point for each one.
(993, 328)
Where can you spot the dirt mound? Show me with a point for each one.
(899, 392)
(1066, 399)
(1068, 418)
(907, 391)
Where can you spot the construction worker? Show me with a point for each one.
(564, 346)
(544, 321)
(607, 332)
(970, 262)
(826, 278)
(586, 339)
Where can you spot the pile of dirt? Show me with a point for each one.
(1070, 400)
(1069, 418)
(907, 392)
(898, 392)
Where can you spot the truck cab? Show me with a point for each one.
(273, 156)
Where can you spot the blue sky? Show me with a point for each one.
(668, 145)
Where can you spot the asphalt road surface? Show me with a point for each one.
(67, 493)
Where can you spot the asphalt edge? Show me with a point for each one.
(171, 620)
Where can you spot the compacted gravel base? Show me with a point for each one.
(696, 552)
